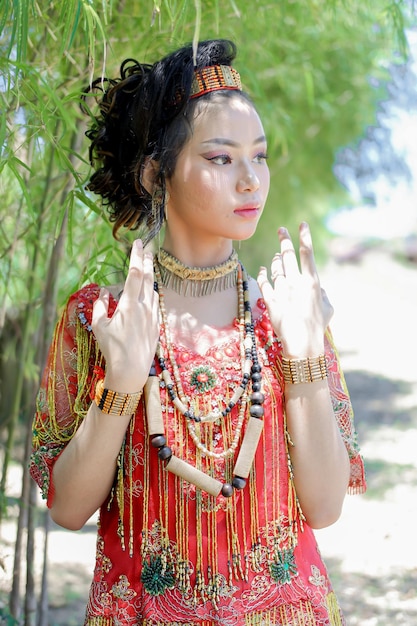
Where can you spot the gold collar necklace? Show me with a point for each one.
(197, 281)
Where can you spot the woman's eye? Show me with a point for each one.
(220, 159)
(261, 157)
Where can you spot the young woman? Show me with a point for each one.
(202, 411)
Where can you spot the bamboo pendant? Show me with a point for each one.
(153, 406)
(248, 448)
(191, 474)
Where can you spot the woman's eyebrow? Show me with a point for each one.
(229, 142)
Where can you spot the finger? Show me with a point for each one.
(264, 284)
(327, 308)
(277, 267)
(307, 260)
(147, 292)
(133, 284)
(289, 258)
(100, 309)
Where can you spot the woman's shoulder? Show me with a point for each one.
(80, 304)
(91, 291)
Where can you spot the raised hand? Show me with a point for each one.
(128, 339)
(298, 308)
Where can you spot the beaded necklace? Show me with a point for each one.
(251, 371)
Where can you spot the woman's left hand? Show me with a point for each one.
(298, 308)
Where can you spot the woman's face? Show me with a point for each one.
(221, 178)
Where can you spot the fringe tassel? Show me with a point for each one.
(335, 616)
(284, 615)
(357, 477)
(85, 347)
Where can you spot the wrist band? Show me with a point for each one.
(304, 370)
(114, 403)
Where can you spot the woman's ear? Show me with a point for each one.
(150, 172)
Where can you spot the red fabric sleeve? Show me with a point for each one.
(343, 411)
(64, 395)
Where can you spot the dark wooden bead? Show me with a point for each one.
(257, 410)
(256, 367)
(158, 441)
(227, 490)
(256, 386)
(165, 453)
(256, 377)
(257, 397)
(238, 482)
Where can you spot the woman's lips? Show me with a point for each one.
(248, 212)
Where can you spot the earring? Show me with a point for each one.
(166, 200)
(157, 204)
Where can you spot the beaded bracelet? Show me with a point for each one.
(306, 370)
(114, 403)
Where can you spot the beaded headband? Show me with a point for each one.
(213, 78)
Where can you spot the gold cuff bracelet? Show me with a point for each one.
(304, 370)
(114, 403)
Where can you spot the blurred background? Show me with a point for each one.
(336, 86)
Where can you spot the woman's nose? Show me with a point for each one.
(248, 180)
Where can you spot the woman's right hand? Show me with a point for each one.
(128, 339)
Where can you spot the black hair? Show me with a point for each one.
(145, 113)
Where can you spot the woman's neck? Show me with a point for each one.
(196, 253)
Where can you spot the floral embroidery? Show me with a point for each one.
(121, 589)
(103, 563)
(82, 316)
(157, 577)
(284, 568)
(317, 578)
(40, 465)
(202, 379)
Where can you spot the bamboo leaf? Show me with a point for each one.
(197, 28)
(4, 14)
(70, 17)
(13, 164)
(21, 26)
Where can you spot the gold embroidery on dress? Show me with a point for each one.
(252, 547)
(285, 615)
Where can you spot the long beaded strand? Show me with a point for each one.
(180, 401)
(251, 370)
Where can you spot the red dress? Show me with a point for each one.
(169, 554)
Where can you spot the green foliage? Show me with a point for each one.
(6, 618)
(307, 65)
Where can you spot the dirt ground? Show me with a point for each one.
(371, 553)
